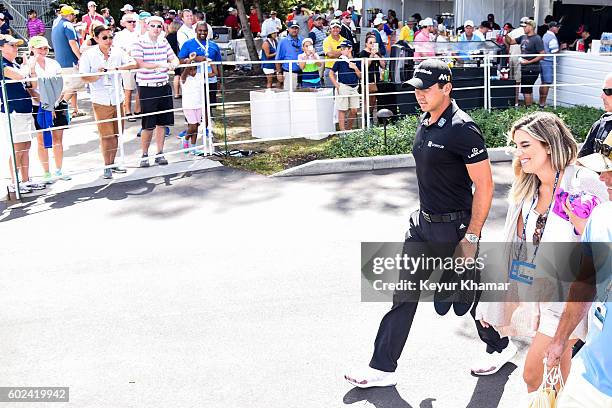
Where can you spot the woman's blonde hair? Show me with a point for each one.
(549, 129)
(174, 27)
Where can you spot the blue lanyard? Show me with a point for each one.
(523, 235)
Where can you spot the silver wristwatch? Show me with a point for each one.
(472, 238)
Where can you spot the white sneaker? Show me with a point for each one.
(492, 363)
(371, 377)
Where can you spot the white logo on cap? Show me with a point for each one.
(444, 77)
(416, 71)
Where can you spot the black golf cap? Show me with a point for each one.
(430, 72)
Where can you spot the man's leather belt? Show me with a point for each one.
(448, 217)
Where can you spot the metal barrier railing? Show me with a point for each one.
(296, 117)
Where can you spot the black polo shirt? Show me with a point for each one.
(441, 151)
(599, 131)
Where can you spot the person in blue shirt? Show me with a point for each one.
(468, 37)
(288, 49)
(589, 383)
(204, 49)
(66, 46)
(345, 76)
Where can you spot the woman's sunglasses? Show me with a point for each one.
(607, 91)
(131, 21)
(106, 37)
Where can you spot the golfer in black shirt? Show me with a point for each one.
(450, 157)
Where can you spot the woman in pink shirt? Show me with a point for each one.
(35, 26)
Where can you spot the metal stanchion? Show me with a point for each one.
(117, 86)
(555, 81)
(208, 149)
(487, 85)
(223, 108)
(290, 99)
(10, 128)
(365, 111)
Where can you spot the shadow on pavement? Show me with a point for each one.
(186, 195)
(487, 393)
(382, 397)
(489, 389)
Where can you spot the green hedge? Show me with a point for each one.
(494, 125)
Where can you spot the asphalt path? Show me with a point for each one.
(220, 288)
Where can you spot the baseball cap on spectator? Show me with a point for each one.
(318, 17)
(378, 21)
(346, 14)
(68, 10)
(524, 21)
(337, 13)
(230, 9)
(601, 159)
(91, 3)
(412, 20)
(156, 18)
(380, 15)
(468, 23)
(427, 22)
(172, 11)
(553, 24)
(144, 15)
(38, 41)
(441, 27)
(127, 7)
(345, 44)
(9, 39)
(429, 73)
(334, 23)
(273, 12)
(531, 23)
(293, 24)
(307, 39)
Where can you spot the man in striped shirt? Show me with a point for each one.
(155, 57)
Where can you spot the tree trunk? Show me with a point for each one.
(248, 35)
(342, 5)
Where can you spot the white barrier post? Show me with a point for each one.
(365, 114)
(208, 149)
(117, 85)
(10, 127)
(555, 81)
(487, 85)
(290, 99)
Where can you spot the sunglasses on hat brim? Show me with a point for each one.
(602, 148)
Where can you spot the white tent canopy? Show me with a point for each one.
(476, 10)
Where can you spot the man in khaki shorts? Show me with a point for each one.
(346, 76)
(101, 59)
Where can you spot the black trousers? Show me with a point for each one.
(395, 325)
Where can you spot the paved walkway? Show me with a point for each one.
(220, 288)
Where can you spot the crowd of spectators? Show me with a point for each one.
(324, 44)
